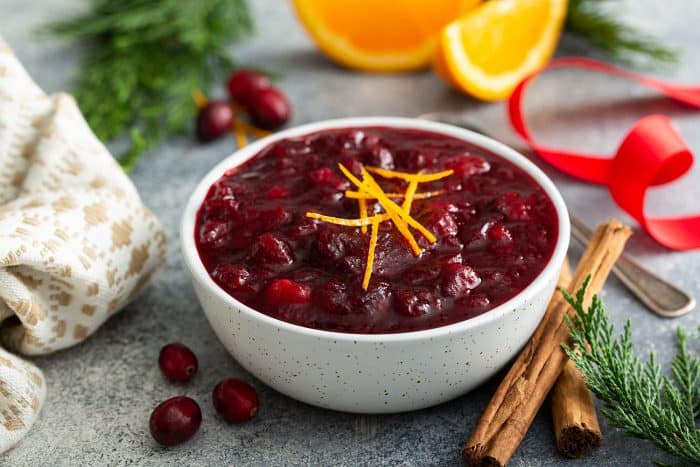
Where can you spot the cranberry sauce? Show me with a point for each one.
(495, 228)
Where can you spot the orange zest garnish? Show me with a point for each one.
(424, 195)
(394, 211)
(370, 253)
(238, 109)
(253, 130)
(409, 176)
(239, 133)
(410, 193)
(392, 207)
(362, 205)
(400, 216)
(200, 100)
(347, 222)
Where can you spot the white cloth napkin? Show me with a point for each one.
(76, 242)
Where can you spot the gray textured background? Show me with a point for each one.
(102, 391)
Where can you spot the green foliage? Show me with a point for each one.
(587, 20)
(144, 58)
(638, 397)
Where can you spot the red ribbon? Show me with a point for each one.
(652, 153)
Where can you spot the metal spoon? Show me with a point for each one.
(659, 296)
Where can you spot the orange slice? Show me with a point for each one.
(488, 51)
(379, 35)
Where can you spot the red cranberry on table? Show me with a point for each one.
(175, 421)
(214, 120)
(269, 108)
(177, 362)
(235, 400)
(242, 84)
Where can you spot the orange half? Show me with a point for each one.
(488, 51)
(379, 35)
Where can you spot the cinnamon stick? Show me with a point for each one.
(521, 393)
(576, 426)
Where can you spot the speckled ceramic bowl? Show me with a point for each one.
(374, 373)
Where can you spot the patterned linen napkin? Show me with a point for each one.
(76, 242)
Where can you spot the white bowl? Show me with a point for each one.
(374, 373)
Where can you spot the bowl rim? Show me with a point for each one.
(552, 268)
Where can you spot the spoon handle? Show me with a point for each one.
(658, 295)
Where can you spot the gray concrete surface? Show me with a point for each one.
(102, 391)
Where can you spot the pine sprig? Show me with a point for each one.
(638, 398)
(144, 59)
(587, 20)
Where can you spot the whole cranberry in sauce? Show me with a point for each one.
(175, 421)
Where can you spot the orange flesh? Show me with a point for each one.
(486, 46)
(384, 25)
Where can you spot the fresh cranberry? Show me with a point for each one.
(177, 362)
(214, 120)
(175, 420)
(242, 84)
(415, 302)
(458, 279)
(235, 400)
(269, 108)
(272, 250)
(287, 292)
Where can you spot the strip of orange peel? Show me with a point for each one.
(424, 195)
(410, 193)
(393, 208)
(369, 265)
(386, 203)
(348, 222)
(422, 178)
(200, 100)
(399, 215)
(239, 133)
(362, 206)
(253, 130)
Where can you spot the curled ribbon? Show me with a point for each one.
(652, 153)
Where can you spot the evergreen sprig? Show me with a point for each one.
(588, 20)
(638, 397)
(144, 58)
